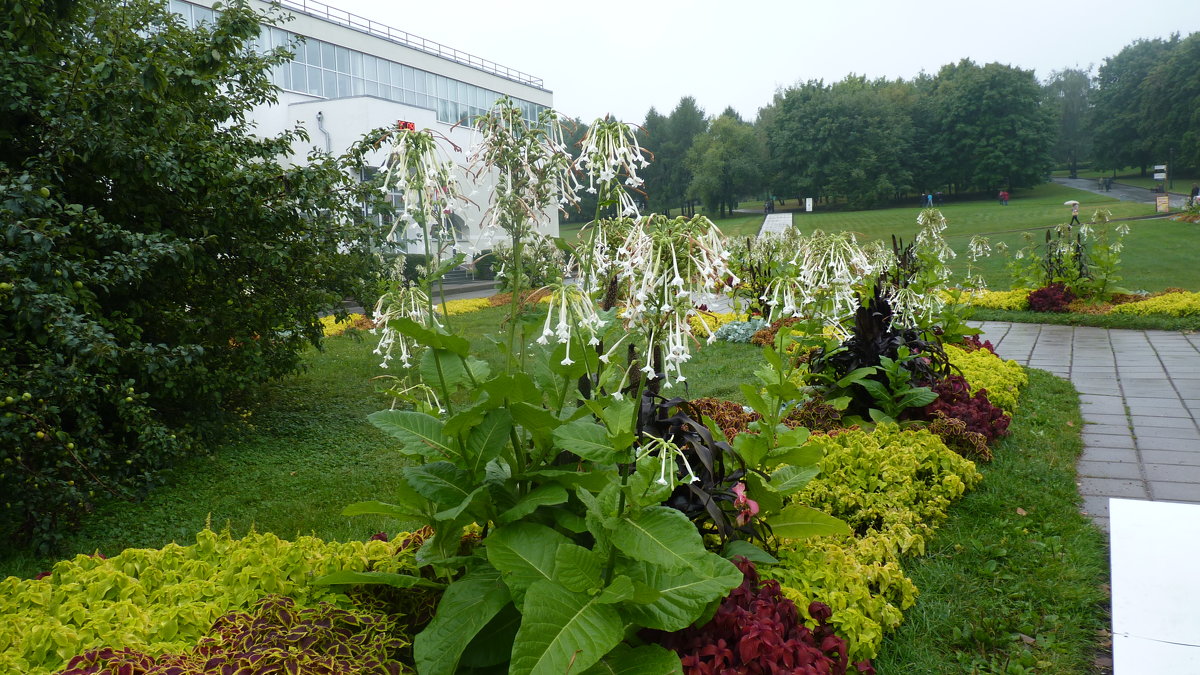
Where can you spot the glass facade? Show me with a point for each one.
(323, 69)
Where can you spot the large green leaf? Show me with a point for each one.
(457, 510)
(452, 343)
(486, 440)
(802, 455)
(755, 399)
(918, 397)
(798, 521)
(524, 553)
(659, 535)
(420, 434)
(403, 511)
(442, 482)
(456, 371)
(543, 495)
(466, 607)
(752, 447)
(492, 646)
(741, 547)
(469, 417)
(515, 387)
(789, 479)
(684, 593)
(535, 419)
(588, 440)
(620, 590)
(644, 660)
(577, 568)
(594, 481)
(563, 632)
(385, 578)
(769, 501)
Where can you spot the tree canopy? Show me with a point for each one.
(160, 259)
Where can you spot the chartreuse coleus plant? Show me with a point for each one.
(162, 600)
(565, 458)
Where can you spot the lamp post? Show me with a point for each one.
(1170, 173)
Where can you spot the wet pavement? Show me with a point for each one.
(1139, 396)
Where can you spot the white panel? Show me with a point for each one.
(1155, 586)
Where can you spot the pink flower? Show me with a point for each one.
(747, 508)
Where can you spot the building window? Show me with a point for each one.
(323, 69)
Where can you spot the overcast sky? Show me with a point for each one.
(624, 56)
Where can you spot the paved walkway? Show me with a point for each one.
(1140, 399)
(1126, 193)
(775, 223)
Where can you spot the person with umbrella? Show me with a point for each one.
(1074, 210)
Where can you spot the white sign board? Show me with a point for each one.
(808, 204)
(1155, 588)
(1160, 167)
(1160, 176)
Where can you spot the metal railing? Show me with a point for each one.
(364, 25)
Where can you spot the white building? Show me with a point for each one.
(352, 75)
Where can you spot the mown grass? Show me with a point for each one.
(1015, 581)
(304, 453)
(1124, 321)
(1158, 252)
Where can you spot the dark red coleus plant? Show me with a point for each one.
(1052, 298)
(757, 631)
(956, 401)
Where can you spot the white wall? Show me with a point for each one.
(347, 120)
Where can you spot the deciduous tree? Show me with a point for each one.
(160, 259)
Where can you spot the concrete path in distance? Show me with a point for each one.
(1139, 396)
(1126, 193)
(775, 223)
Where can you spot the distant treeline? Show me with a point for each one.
(969, 128)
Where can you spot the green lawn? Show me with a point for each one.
(1158, 252)
(1014, 581)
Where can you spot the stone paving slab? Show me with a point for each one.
(1140, 401)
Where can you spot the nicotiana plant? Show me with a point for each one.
(583, 492)
(822, 281)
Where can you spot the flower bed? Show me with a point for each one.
(160, 601)
(1170, 304)
(331, 326)
(1016, 300)
(892, 486)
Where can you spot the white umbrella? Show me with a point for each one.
(1070, 202)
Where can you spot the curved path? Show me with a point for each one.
(1139, 395)
(1123, 192)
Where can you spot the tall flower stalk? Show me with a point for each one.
(822, 281)
(532, 173)
(418, 168)
(663, 265)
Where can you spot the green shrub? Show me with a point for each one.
(984, 370)
(893, 487)
(160, 601)
(160, 259)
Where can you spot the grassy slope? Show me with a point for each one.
(1003, 592)
(1157, 254)
(304, 454)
